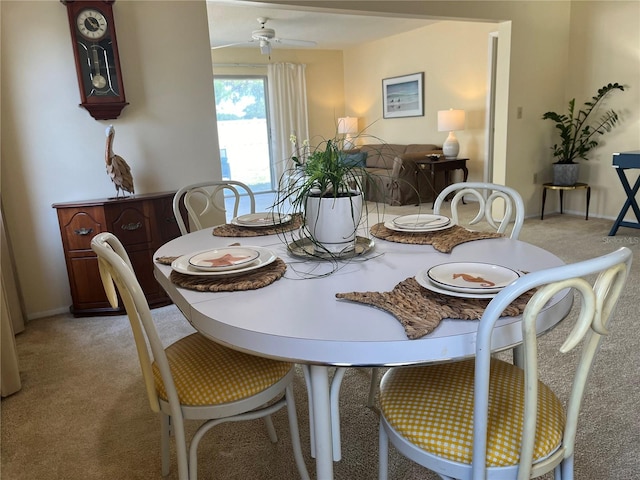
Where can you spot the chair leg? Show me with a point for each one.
(557, 472)
(373, 388)
(383, 453)
(295, 433)
(177, 428)
(567, 468)
(165, 433)
(273, 436)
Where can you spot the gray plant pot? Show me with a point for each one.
(565, 173)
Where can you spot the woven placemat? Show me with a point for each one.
(442, 240)
(251, 280)
(229, 230)
(420, 310)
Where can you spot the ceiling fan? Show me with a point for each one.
(266, 36)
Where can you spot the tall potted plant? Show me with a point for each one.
(579, 133)
(326, 186)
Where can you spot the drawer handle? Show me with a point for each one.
(131, 226)
(84, 231)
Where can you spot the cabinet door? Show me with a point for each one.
(166, 220)
(131, 222)
(86, 285)
(79, 225)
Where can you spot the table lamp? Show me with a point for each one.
(348, 126)
(450, 121)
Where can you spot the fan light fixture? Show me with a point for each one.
(348, 126)
(265, 47)
(450, 121)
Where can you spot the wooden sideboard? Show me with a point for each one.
(141, 222)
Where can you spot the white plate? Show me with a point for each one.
(224, 259)
(392, 226)
(424, 281)
(181, 264)
(260, 220)
(421, 221)
(451, 276)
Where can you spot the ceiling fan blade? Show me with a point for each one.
(299, 43)
(248, 42)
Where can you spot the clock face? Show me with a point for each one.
(91, 24)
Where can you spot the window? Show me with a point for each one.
(243, 130)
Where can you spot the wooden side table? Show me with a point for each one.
(561, 189)
(446, 165)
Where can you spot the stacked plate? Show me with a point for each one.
(421, 222)
(467, 279)
(224, 261)
(260, 220)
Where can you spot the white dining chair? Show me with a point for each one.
(204, 203)
(195, 378)
(512, 210)
(484, 418)
(487, 196)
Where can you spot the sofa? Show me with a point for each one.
(392, 175)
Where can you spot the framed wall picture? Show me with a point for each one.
(403, 96)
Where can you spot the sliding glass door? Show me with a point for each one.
(243, 130)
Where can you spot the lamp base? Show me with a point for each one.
(348, 144)
(451, 147)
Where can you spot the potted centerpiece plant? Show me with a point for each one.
(579, 133)
(325, 184)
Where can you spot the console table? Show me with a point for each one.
(446, 165)
(141, 222)
(561, 189)
(621, 162)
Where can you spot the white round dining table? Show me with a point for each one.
(299, 319)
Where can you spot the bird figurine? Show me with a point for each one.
(117, 169)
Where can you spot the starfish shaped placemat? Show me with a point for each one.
(252, 280)
(230, 230)
(442, 240)
(420, 310)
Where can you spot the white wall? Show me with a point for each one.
(454, 59)
(53, 151)
(605, 47)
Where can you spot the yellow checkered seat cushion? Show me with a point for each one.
(206, 373)
(432, 407)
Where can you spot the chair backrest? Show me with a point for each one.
(204, 203)
(486, 194)
(118, 277)
(597, 303)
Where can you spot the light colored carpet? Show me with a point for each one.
(82, 412)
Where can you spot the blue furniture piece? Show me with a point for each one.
(621, 162)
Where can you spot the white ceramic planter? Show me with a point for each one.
(331, 223)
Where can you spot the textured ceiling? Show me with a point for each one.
(231, 22)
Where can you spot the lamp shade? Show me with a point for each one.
(348, 125)
(450, 120)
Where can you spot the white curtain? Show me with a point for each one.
(11, 317)
(288, 111)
